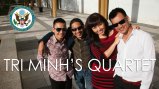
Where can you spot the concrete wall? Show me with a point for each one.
(82, 6)
(149, 12)
(126, 4)
(71, 5)
(90, 6)
(140, 11)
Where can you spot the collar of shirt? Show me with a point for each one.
(54, 40)
(132, 34)
(78, 40)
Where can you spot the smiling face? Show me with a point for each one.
(59, 30)
(77, 30)
(121, 23)
(99, 29)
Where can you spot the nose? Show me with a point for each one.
(62, 31)
(77, 30)
(119, 26)
(98, 28)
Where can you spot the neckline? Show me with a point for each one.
(114, 33)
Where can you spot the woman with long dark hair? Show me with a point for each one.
(103, 47)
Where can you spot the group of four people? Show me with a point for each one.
(97, 40)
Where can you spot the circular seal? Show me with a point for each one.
(22, 18)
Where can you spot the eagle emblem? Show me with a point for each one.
(22, 18)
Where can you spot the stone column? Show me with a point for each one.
(103, 8)
(54, 8)
(39, 3)
(32, 4)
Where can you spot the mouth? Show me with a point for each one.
(79, 33)
(121, 29)
(62, 35)
(100, 31)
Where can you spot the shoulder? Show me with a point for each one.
(93, 46)
(70, 42)
(113, 33)
(51, 39)
(49, 34)
(143, 35)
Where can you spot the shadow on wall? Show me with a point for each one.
(155, 81)
(157, 60)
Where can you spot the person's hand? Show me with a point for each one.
(116, 39)
(136, 27)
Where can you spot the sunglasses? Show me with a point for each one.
(78, 28)
(59, 29)
(121, 22)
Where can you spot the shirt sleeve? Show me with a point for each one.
(46, 37)
(149, 53)
(40, 57)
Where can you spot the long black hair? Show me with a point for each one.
(92, 21)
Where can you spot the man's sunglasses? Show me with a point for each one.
(78, 28)
(59, 29)
(121, 22)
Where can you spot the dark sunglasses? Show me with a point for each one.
(59, 29)
(121, 22)
(78, 28)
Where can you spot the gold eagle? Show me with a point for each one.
(20, 17)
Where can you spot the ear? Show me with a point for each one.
(128, 18)
(53, 29)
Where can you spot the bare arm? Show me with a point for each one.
(40, 48)
(110, 50)
(40, 51)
